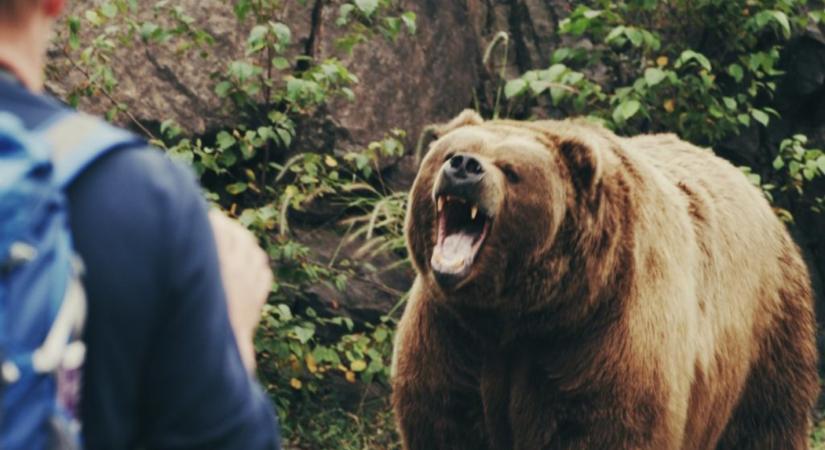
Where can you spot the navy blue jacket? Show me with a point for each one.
(163, 370)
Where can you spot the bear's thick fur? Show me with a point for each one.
(580, 290)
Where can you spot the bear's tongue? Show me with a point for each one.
(461, 231)
(457, 250)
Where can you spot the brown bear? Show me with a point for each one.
(580, 290)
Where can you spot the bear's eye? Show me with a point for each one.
(509, 172)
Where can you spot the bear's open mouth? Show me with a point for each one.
(462, 228)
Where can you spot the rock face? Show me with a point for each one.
(375, 285)
(413, 82)
(154, 82)
(405, 84)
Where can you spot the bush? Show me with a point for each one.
(705, 70)
(252, 173)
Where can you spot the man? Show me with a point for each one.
(163, 368)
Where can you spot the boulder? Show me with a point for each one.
(406, 83)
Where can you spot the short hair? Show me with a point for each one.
(13, 8)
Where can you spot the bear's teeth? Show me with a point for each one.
(440, 204)
(474, 212)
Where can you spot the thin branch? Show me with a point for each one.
(107, 95)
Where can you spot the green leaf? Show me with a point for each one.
(820, 162)
(225, 140)
(628, 109)
(614, 33)
(241, 8)
(380, 335)
(280, 63)
(393, 25)
(729, 103)
(281, 32)
(555, 72)
(514, 87)
(782, 20)
(761, 117)
(808, 173)
(343, 14)
(294, 88)
(257, 33)
(74, 30)
(651, 40)
(109, 10)
(690, 55)
(579, 26)
(735, 71)
(654, 76)
(561, 55)
(222, 89)
(91, 16)
(286, 137)
(243, 70)
(635, 36)
(744, 119)
(778, 163)
(147, 30)
(409, 19)
(367, 6)
(303, 334)
(236, 188)
(794, 168)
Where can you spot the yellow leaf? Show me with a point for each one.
(661, 61)
(330, 161)
(295, 383)
(669, 105)
(350, 376)
(358, 365)
(311, 364)
(291, 190)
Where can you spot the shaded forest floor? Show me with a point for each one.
(818, 436)
(374, 429)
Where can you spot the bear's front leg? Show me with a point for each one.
(435, 387)
(552, 407)
(438, 420)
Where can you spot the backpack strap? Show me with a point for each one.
(76, 140)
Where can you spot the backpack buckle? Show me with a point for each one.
(19, 253)
(9, 372)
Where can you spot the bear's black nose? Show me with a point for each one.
(463, 169)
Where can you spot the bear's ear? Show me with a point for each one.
(467, 117)
(583, 159)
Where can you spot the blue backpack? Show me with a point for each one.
(42, 301)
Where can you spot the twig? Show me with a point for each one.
(501, 36)
(107, 95)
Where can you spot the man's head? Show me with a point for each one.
(12, 7)
(25, 29)
(19, 11)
